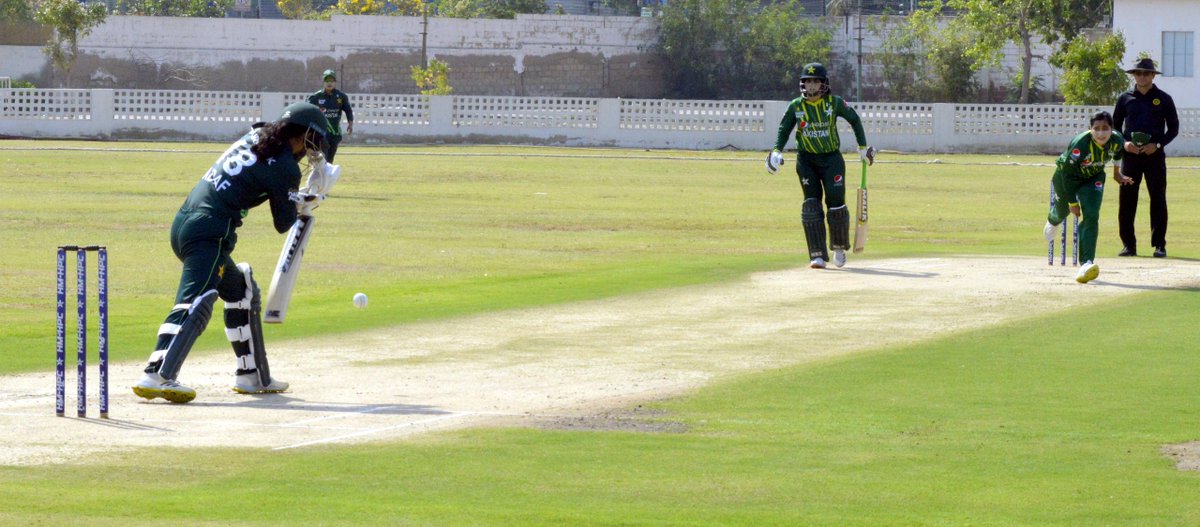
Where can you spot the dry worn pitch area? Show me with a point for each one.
(561, 362)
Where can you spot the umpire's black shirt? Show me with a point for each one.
(1149, 113)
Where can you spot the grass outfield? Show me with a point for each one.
(433, 232)
(1039, 423)
(1050, 421)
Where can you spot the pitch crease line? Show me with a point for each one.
(371, 431)
(341, 415)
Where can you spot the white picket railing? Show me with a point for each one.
(571, 121)
(192, 106)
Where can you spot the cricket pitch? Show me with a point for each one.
(564, 361)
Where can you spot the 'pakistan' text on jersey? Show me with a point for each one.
(1086, 159)
(239, 181)
(333, 105)
(815, 123)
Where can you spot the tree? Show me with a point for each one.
(900, 58)
(511, 8)
(489, 8)
(625, 7)
(1068, 17)
(298, 9)
(70, 21)
(1092, 73)
(379, 7)
(738, 48)
(990, 24)
(777, 45)
(189, 8)
(434, 79)
(15, 11)
(925, 61)
(950, 71)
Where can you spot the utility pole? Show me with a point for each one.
(859, 38)
(424, 33)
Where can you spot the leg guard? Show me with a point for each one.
(166, 333)
(243, 327)
(186, 334)
(814, 228)
(839, 227)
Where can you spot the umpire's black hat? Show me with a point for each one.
(1145, 64)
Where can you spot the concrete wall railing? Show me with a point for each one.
(567, 121)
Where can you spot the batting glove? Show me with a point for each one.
(774, 161)
(866, 153)
(305, 202)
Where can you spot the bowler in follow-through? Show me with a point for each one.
(1078, 182)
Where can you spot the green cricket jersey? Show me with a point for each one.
(239, 181)
(816, 125)
(1085, 159)
(333, 105)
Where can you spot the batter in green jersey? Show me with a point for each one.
(819, 163)
(1079, 184)
(259, 168)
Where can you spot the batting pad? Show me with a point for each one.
(839, 227)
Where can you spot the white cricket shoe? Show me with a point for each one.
(839, 257)
(1088, 272)
(817, 263)
(154, 385)
(248, 383)
(1050, 230)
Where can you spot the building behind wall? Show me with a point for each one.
(1166, 29)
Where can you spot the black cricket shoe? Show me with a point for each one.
(1126, 251)
(1160, 252)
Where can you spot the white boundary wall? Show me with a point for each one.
(372, 53)
(212, 41)
(632, 123)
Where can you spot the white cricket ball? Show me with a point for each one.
(360, 300)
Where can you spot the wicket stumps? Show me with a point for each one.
(81, 330)
(1075, 240)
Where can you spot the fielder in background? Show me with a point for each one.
(819, 162)
(1079, 183)
(263, 166)
(1147, 118)
(333, 103)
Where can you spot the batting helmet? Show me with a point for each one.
(311, 117)
(814, 70)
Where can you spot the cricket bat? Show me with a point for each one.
(279, 295)
(286, 271)
(860, 227)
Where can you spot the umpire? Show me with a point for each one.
(1146, 117)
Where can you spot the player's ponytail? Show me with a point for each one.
(275, 137)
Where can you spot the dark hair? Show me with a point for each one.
(274, 138)
(1101, 116)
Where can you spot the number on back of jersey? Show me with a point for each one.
(232, 162)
